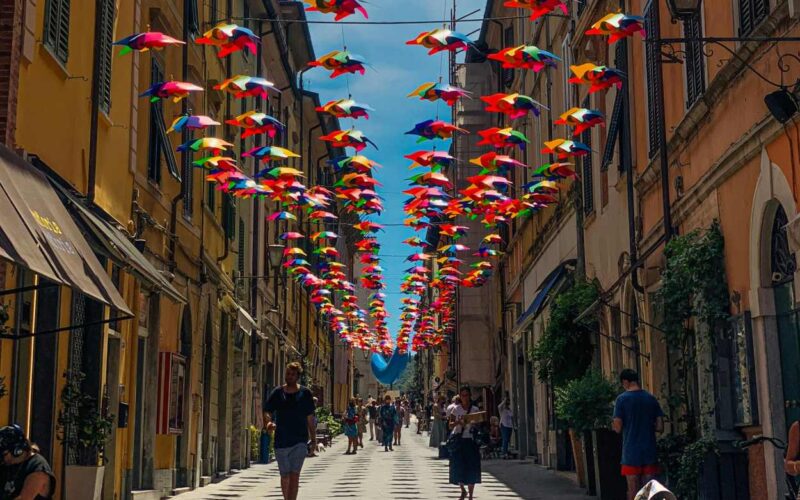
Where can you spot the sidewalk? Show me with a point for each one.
(533, 482)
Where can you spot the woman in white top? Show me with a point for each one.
(506, 423)
(465, 461)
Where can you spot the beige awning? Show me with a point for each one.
(37, 232)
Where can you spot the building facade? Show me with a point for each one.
(183, 324)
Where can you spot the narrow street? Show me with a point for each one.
(412, 471)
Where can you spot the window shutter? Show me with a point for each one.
(694, 62)
(621, 63)
(241, 247)
(154, 138)
(106, 39)
(588, 187)
(508, 41)
(188, 180)
(751, 13)
(56, 28)
(652, 56)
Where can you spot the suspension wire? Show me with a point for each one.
(366, 22)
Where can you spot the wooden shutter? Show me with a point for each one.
(56, 28)
(751, 13)
(588, 185)
(154, 138)
(188, 180)
(652, 60)
(241, 247)
(106, 39)
(695, 61)
(508, 41)
(621, 62)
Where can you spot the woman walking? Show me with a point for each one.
(361, 424)
(350, 430)
(398, 421)
(439, 428)
(465, 459)
(388, 416)
(506, 423)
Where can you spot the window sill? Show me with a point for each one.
(61, 66)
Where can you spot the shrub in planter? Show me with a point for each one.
(84, 428)
(585, 404)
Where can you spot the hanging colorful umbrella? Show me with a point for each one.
(581, 118)
(165, 90)
(434, 129)
(358, 163)
(557, 169)
(513, 105)
(244, 86)
(430, 158)
(494, 161)
(565, 148)
(441, 39)
(149, 40)
(191, 122)
(345, 108)
(502, 138)
(432, 91)
(270, 153)
(617, 26)
(213, 144)
(230, 38)
(525, 57)
(291, 236)
(342, 8)
(348, 139)
(255, 122)
(538, 8)
(597, 77)
(222, 162)
(340, 62)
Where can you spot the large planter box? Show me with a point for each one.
(607, 457)
(588, 461)
(83, 482)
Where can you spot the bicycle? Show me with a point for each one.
(794, 491)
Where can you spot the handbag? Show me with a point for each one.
(454, 443)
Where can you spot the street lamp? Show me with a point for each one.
(275, 255)
(683, 9)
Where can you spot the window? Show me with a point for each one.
(751, 13)
(107, 15)
(154, 148)
(621, 63)
(213, 11)
(56, 28)
(191, 17)
(588, 188)
(508, 41)
(228, 216)
(241, 247)
(188, 179)
(652, 60)
(694, 62)
(172, 390)
(211, 193)
(566, 54)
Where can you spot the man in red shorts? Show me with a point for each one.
(638, 416)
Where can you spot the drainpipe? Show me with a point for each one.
(173, 222)
(95, 99)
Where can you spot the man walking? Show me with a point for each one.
(373, 417)
(289, 409)
(638, 416)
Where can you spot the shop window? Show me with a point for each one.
(171, 397)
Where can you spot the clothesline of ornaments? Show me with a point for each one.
(430, 204)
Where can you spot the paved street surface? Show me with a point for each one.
(410, 472)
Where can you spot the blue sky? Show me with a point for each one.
(396, 69)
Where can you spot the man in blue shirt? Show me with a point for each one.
(289, 410)
(638, 416)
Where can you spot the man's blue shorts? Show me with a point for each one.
(290, 460)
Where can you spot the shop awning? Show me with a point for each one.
(37, 232)
(544, 291)
(115, 244)
(243, 318)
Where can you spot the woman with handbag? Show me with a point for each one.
(465, 457)
(350, 429)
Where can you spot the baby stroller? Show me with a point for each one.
(489, 448)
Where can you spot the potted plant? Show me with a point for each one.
(84, 428)
(586, 404)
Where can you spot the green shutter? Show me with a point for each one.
(56, 28)
(106, 39)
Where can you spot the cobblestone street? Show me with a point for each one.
(412, 471)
